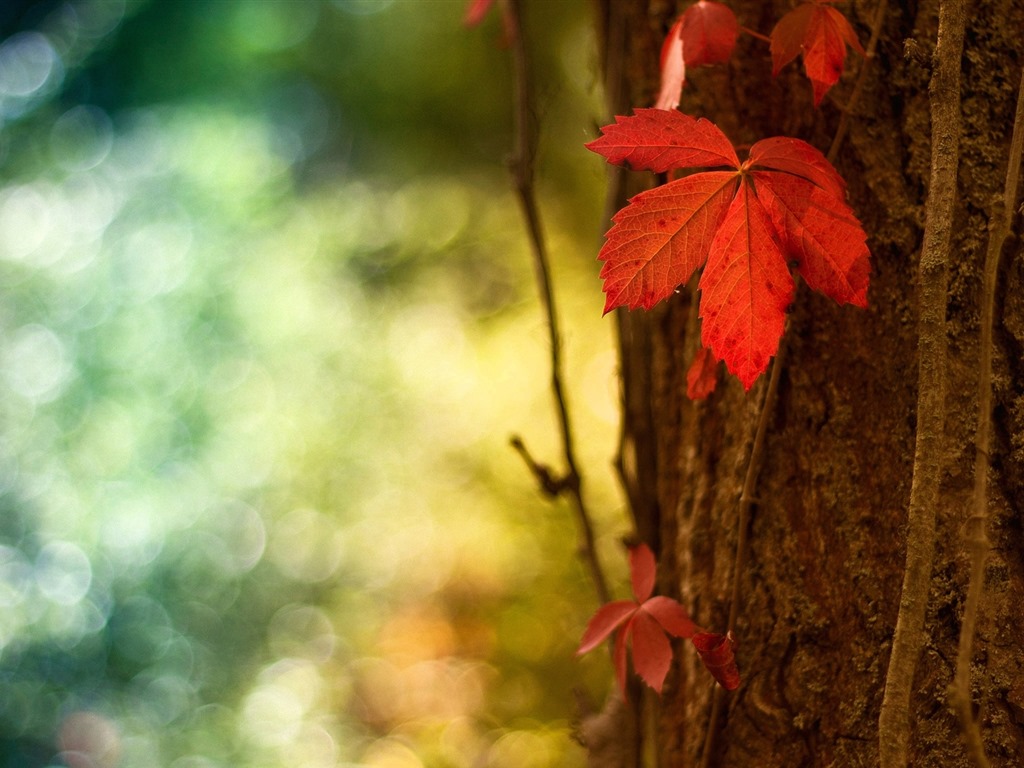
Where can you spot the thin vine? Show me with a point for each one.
(894, 720)
(858, 87)
(743, 525)
(976, 538)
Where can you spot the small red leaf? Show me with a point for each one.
(672, 617)
(476, 11)
(821, 34)
(642, 571)
(718, 652)
(657, 140)
(787, 38)
(673, 69)
(709, 33)
(702, 377)
(607, 619)
(645, 627)
(652, 653)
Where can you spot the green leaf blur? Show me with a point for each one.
(266, 323)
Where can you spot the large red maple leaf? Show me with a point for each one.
(821, 34)
(743, 222)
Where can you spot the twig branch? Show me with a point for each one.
(869, 56)
(747, 501)
(521, 166)
(944, 91)
(976, 537)
(550, 484)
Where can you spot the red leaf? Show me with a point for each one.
(743, 225)
(662, 236)
(718, 652)
(607, 619)
(821, 233)
(476, 11)
(792, 156)
(643, 625)
(745, 290)
(821, 34)
(642, 571)
(673, 69)
(702, 377)
(672, 617)
(709, 33)
(652, 653)
(658, 140)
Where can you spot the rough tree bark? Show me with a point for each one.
(821, 588)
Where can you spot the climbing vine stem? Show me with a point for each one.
(747, 498)
(977, 542)
(858, 88)
(933, 270)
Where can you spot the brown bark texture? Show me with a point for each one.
(820, 589)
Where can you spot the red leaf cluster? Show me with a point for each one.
(706, 34)
(743, 223)
(644, 624)
(819, 32)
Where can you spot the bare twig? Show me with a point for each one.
(747, 501)
(976, 538)
(551, 485)
(865, 65)
(944, 90)
(521, 166)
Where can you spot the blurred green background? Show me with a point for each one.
(267, 321)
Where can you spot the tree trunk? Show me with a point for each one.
(820, 588)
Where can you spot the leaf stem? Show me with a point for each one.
(976, 539)
(755, 33)
(522, 168)
(933, 270)
(869, 56)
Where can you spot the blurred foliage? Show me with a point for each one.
(266, 323)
